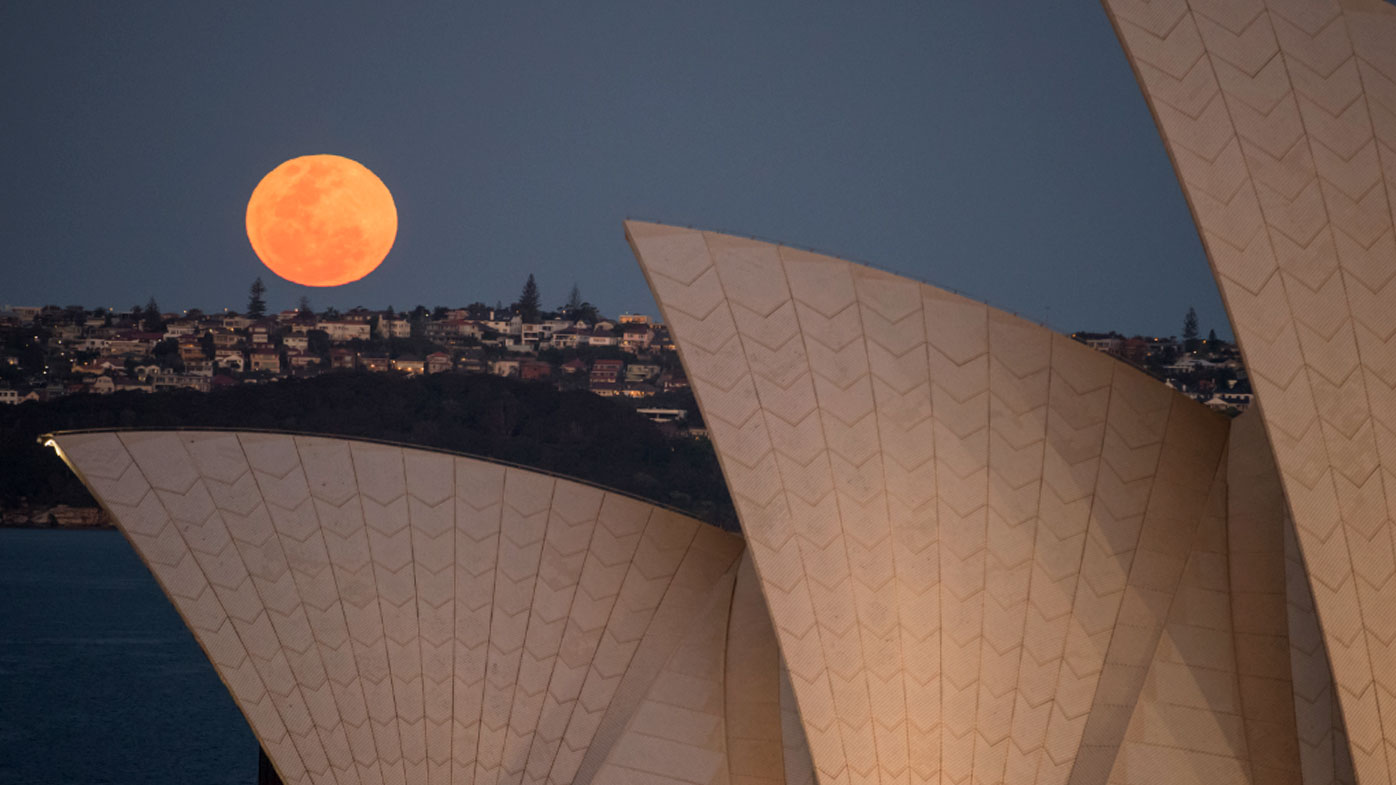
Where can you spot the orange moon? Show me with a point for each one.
(321, 220)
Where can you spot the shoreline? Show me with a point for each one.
(59, 517)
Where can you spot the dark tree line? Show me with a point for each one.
(571, 433)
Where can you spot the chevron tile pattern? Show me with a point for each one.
(990, 553)
(675, 733)
(389, 615)
(1259, 576)
(1280, 116)
(1187, 726)
(1239, 690)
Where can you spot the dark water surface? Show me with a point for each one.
(100, 681)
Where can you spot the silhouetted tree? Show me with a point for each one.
(574, 300)
(527, 306)
(256, 306)
(167, 352)
(150, 318)
(303, 308)
(586, 312)
(317, 342)
(417, 321)
(1190, 330)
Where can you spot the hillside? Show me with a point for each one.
(599, 440)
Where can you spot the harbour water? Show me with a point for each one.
(100, 682)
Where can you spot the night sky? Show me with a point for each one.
(1001, 149)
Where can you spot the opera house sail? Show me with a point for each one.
(990, 553)
(1280, 118)
(383, 614)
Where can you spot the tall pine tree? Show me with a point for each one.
(527, 306)
(1190, 330)
(256, 306)
(150, 318)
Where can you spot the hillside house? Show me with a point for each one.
(264, 360)
(229, 359)
(378, 363)
(343, 359)
(606, 372)
(346, 330)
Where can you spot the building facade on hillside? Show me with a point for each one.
(377, 363)
(409, 364)
(606, 371)
(394, 327)
(345, 330)
(230, 358)
(344, 359)
(264, 359)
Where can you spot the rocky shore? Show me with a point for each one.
(59, 516)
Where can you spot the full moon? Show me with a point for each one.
(321, 220)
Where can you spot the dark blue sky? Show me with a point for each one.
(1002, 149)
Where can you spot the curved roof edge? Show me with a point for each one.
(50, 436)
(383, 613)
(643, 225)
